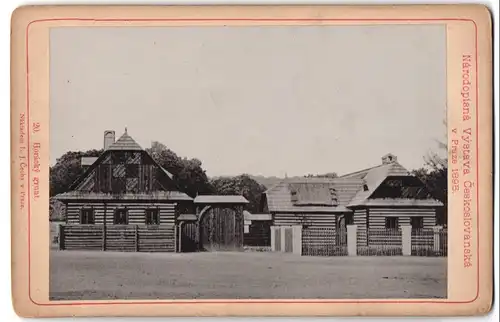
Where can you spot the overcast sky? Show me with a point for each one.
(259, 100)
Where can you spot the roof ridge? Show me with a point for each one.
(128, 142)
(360, 171)
(274, 186)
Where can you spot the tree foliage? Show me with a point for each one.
(240, 185)
(57, 210)
(434, 174)
(188, 173)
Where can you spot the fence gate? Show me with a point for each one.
(277, 239)
(286, 239)
(221, 229)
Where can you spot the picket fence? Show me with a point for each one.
(376, 242)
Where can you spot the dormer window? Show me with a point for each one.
(365, 187)
(295, 197)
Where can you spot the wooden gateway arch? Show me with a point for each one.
(217, 226)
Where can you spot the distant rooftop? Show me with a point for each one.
(88, 161)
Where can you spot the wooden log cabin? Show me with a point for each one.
(125, 201)
(385, 196)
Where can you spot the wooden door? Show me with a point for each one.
(221, 229)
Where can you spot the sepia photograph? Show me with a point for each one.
(248, 162)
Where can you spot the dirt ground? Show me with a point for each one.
(105, 275)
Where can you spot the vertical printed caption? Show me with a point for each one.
(463, 159)
(29, 160)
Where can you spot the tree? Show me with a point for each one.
(57, 210)
(188, 173)
(240, 185)
(67, 169)
(434, 174)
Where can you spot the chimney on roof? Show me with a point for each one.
(389, 158)
(109, 138)
(335, 198)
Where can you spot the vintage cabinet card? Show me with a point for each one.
(231, 160)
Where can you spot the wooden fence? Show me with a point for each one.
(324, 242)
(376, 242)
(381, 242)
(125, 238)
(429, 242)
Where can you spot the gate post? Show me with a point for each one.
(437, 241)
(297, 240)
(406, 239)
(352, 240)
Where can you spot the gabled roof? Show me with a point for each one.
(125, 142)
(372, 178)
(353, 189)
(213, 199)
(279, 197)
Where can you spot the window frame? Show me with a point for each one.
(115, 213)
(82, 216)
(155, 213)
(392, 219)
(421, 221)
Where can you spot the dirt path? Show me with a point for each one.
(106, 275)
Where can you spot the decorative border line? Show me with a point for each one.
(132, 302)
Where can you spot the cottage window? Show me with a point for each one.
(152, 217)
(87, 216)
(349, 219)
(120, 217)
(391, 223)
(417, 222)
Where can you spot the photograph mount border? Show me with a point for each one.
(331, 301)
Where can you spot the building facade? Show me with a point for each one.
(385, 196)
(126, 201)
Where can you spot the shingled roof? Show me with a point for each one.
(338, 194)
(372, 178)
(125, 142)
(313, 194)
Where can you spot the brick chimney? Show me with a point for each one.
(109, 138)
(389, 158)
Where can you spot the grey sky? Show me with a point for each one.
(259, 100)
